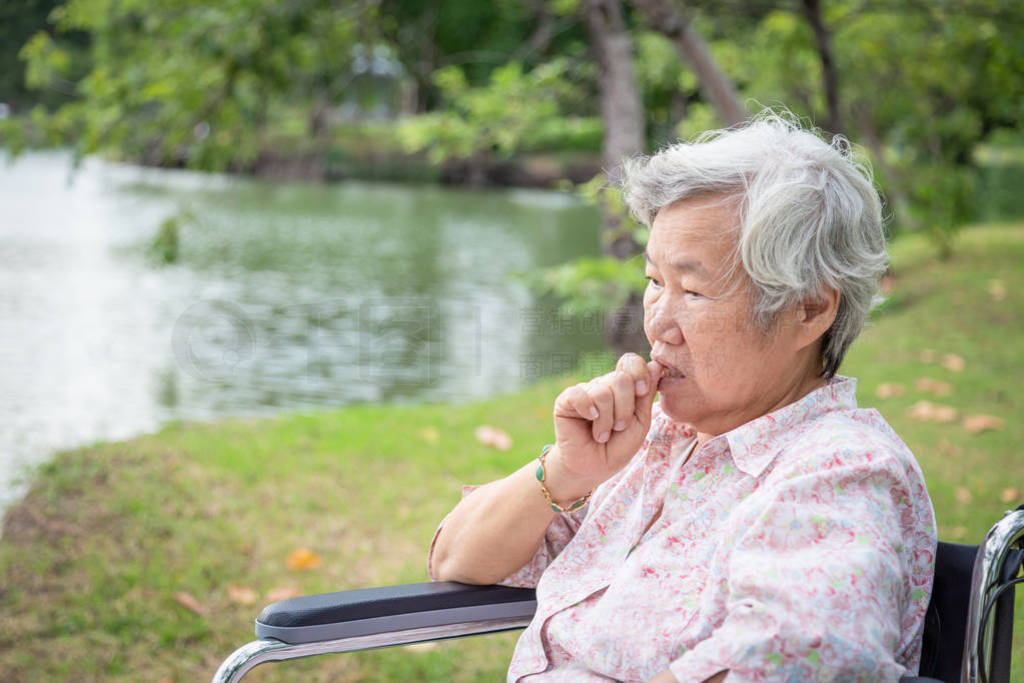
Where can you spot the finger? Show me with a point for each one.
(575, 402)
(623, 388)
(633, 365)
(601, 394)
(642, 409)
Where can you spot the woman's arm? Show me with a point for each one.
(599, 425)
(493, 531)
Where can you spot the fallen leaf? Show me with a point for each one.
(421, 647)
(926, 411)
(283, 593)
(430, 434)
(928, 356)
(189, 602)
(959, 532)
(494, 437)
(1010, 495)
(241, 595)
(981, 423)
(953, 362)
(996, 290)
(889, 389)
(934, 386)
(963, 495)
(303, 558)
(404, 511)
(946, 448)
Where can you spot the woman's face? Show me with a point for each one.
(721, 370)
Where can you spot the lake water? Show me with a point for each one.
(285, 296)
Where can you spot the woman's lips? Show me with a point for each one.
(669, 381)
(669, 375)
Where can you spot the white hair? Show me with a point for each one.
(809, 215)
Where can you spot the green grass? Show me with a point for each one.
(91, 560)
(947, 308)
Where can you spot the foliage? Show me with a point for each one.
(166, 246)
(669, 90)
(921, 86)
(944, 199)
(598, 285)
(514, 111)
(188, 83)
(20, 19)
(217, 87)
(164, 249)
(593, 285)
(475, 36)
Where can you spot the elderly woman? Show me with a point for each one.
(754, 523)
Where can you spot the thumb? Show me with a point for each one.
(644, 403)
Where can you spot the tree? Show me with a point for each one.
(623, 117)
(186, 82)
(957, 69)
(829, 75)
(621, 111)
(719, 90)
(19, 20)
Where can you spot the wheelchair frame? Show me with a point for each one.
(348, 621)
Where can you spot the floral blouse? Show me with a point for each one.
(799, 546)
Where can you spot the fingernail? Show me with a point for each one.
(641, 387)
(603, 436)
(619, 425)
(593, 412)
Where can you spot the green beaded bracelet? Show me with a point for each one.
(542, 475)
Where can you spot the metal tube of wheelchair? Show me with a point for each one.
(251, 655)
(245, 658)
(1000, 539)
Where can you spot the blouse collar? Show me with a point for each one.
(754, 445)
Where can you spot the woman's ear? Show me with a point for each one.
(815, 315)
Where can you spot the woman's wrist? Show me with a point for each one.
(562, 486)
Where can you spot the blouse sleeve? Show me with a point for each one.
(561, 530)
(831, 570)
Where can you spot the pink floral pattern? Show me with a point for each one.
(797, 547)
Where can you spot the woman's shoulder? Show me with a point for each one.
(849, 436)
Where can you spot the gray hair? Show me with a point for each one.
(809, 215)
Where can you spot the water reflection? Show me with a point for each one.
(285, 296)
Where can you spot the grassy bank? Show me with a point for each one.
(98, 562)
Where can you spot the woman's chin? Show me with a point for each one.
(669, 382)
(673, 400)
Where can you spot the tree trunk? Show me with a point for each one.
(829, 75)
(717, 88)
(621, 109)
(623, 116)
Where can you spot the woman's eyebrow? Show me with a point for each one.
(682, 264)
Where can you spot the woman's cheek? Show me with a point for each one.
(648, 304)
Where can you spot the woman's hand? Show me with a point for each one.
(599, 425)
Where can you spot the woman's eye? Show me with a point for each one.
(690, 293)
(653, 281)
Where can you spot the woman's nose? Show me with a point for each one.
(660, 325)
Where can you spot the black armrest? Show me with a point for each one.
(346, 614)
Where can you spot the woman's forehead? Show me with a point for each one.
(693, 234)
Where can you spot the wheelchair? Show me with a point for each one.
(967, 636)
